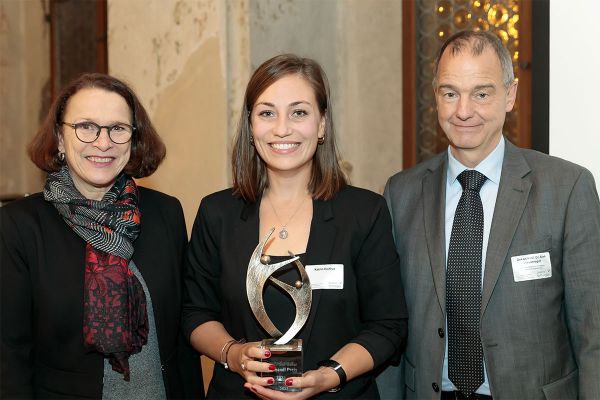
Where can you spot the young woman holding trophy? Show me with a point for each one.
(291, 198)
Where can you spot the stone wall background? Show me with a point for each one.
(191, 59)
(24, 91)
(189, 62)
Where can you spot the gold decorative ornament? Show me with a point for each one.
(461, 18)
(444, 8)
(497, 15)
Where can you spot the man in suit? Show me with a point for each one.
(531, 228)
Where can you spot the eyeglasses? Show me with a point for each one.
(89, 131)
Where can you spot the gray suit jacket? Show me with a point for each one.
(541, 338)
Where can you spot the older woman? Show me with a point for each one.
(91, 267)
(286, 175)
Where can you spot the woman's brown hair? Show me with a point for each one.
(249, 171)
(147, 149)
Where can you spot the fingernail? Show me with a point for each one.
(270, 381)
(272, 367)
(289, 382)
(267, 354)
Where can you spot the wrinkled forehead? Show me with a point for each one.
(94, 101)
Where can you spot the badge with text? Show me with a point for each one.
(326, 276)
(529, 267)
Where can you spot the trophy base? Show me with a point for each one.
(287, 359)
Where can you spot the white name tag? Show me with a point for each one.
(326, 276)
(531, 266)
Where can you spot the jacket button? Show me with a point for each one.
(435, 387)
(441, 332)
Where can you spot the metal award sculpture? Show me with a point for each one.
(286, 352)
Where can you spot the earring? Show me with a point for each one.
(61, 156)
(321, 140)
(251, 140)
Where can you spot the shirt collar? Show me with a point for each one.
(491, 166)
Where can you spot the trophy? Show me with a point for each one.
(286, 352)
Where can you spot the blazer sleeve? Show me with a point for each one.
(202, 298)
(381, 297)
(192, 385)
(581, 274)
(16, 369)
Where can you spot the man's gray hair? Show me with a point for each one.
(477, 42)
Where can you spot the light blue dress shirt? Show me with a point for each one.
(491, 167)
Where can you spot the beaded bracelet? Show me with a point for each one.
(225, 349)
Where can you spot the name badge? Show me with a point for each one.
(326, 276)
(529, 267)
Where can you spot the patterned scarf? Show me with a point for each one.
(115, 319)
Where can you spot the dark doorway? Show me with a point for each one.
(78, 40)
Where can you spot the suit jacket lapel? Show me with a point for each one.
(434, 211)
(245, 235)
(318, 251)
(245, 238)
(510, 203)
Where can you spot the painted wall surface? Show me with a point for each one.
(308, 28)
(24, 80)
(371, 90)
(176, 63)
(358, 44)
(189, 62)
(575, 83)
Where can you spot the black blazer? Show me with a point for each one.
(42, 274)
(353, 229)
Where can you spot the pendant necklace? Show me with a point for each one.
(283, 233)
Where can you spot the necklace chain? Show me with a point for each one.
(283, 233)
